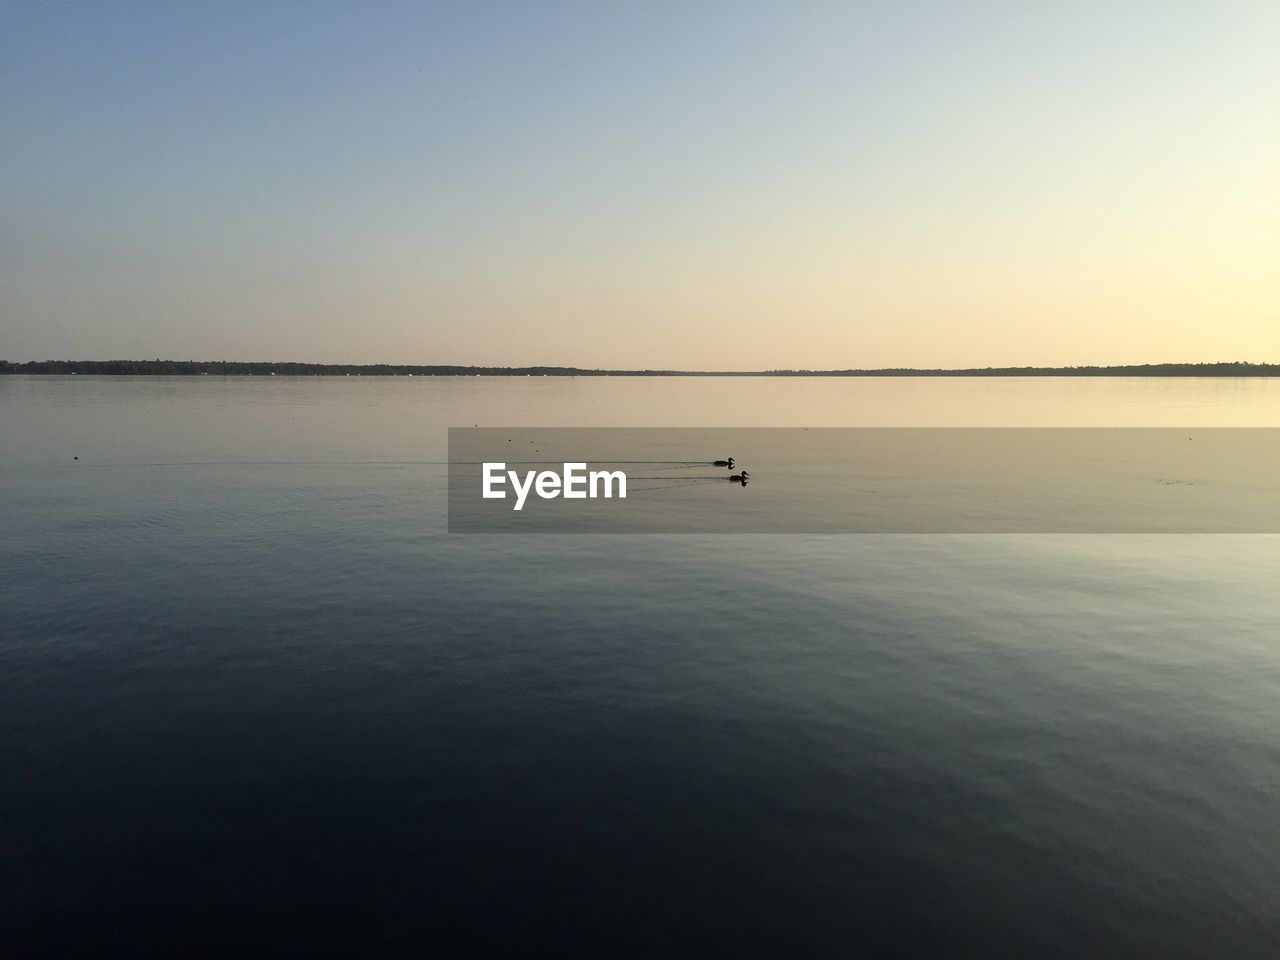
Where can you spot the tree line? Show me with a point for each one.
(224, 368)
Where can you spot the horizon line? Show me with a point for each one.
(158, 367)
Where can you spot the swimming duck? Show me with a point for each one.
(723, 463)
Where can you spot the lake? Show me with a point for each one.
(257, 699)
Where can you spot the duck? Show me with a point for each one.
(741, 478)
(723, 463)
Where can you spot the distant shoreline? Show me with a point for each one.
(233, 368)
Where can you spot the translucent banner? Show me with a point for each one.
(863, 480)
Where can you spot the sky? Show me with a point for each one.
(647, 185)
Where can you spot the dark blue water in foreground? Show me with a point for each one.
(253, 708)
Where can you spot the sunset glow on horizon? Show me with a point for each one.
(731, 186)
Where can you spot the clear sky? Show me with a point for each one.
(666, 184)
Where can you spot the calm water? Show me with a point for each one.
(255, 698)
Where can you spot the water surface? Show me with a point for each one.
(256, 698)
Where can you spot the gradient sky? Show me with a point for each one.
(668, 184)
